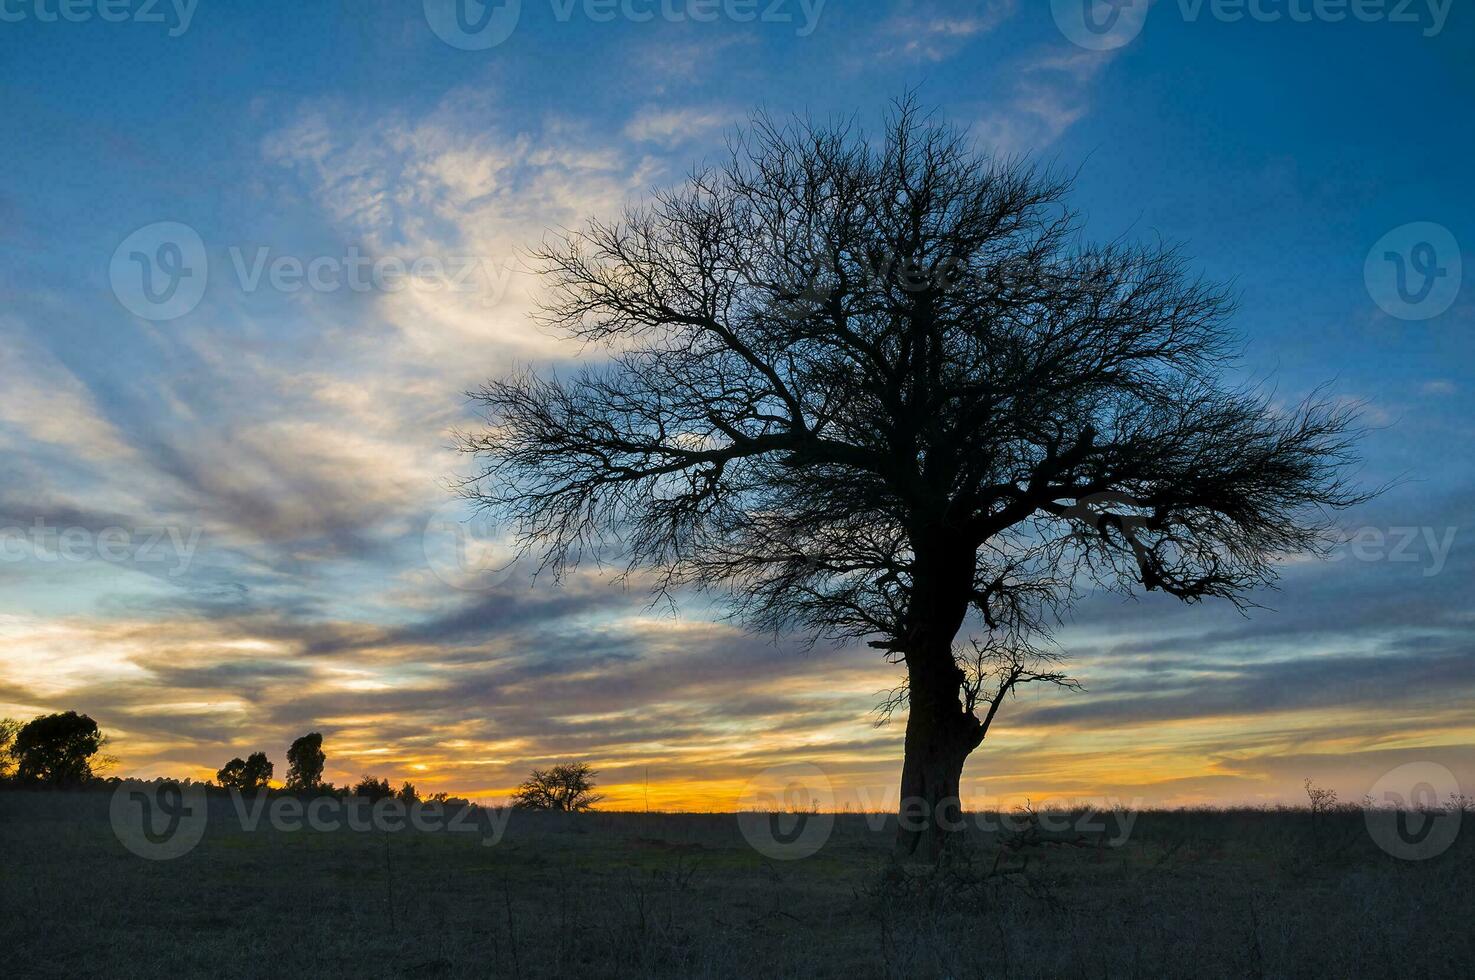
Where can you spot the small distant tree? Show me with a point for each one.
(8, 729)
(305, 760)
(56, 750)
(249, 775)
(1322, 800)
(407, 793)
(373, 789)
(567, 787)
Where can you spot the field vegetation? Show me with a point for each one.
(1218, 893)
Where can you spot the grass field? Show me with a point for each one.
(1237, 893)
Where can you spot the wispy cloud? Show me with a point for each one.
(670, 127)
(1053, 90)
(930, 32)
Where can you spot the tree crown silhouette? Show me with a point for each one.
(56, 749)
(882, 390)
(305, 761)
(567, 787)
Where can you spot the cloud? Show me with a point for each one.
(306, 436)
(931, 32)
(672, 127)
(1051, 93)
(669, 59)
(44, 402)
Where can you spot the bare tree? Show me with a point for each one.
(567, 787)
(880, 390)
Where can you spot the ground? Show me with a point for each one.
(1270, 893)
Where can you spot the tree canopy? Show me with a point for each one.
(250, 774)
(57, 749)
(568, 787)
(305, 761)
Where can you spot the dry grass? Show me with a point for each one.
(1202, 893)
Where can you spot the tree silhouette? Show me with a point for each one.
(305, 760)
(879, 390)
(57, 749)
(568, 787)
(248, 775)
(373, 789)
(9, 728)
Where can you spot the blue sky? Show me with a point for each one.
(294, 439)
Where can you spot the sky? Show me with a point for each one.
(253, 255)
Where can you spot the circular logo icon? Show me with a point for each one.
(787, 812)
(159, 271)
(1408, 817)
(1414, 271)
(159, 821)
(473, 25)
(466, 549)
(1100, 25)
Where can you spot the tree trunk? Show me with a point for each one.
(940, 735)
(939, 739)
(940, 731)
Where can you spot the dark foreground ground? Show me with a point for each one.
(1205, 893)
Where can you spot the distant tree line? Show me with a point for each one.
(305, 762)
(61, 751)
